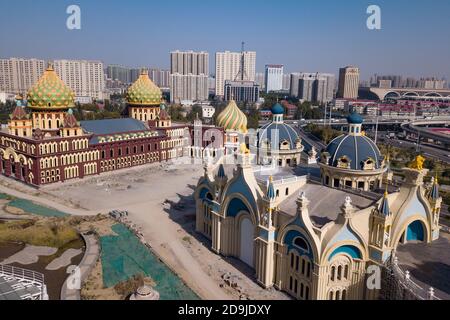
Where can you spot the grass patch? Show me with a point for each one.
(37, 233)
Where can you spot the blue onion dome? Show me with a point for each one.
(277, 109)
(355, 118)
(358, 152)
(284, 132)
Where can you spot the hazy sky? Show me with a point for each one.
(304, 35)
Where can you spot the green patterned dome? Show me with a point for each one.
(144, 92)
(50, 92)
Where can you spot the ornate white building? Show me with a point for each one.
(308, 239)
(278, 143)
(352, 160)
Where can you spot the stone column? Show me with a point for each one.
(216, 234)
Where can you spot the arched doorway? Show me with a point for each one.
(415, 231)
(247, 242)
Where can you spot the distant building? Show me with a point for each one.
(273, 77)
(85, 78)
(286, 82)
(348, 83)
(18, 75)
(119, 73)
(314, 87)
(208, 111)
(385, 84)
(5, 96)
(260, 79)
(228, 67)
(189, 75)
(241, 91)
(188, 87)
(160, 77)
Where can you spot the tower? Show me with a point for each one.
(19, 123)
(163, 119)
(70, 126)
(380, 231)
(435, 202)
(144, 98)
(49, 99)
(265, 243)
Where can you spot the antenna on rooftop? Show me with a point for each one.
(241, 74)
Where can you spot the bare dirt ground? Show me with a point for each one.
(159, 200)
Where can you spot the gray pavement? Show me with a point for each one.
(429, 264)
(69, 291)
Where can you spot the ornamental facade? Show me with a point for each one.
(44, 143)
(307, 239)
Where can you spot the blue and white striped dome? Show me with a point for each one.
(284, 131)
(357, 149)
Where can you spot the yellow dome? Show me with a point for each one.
(144, 92)
(50, 92)
(232, 118)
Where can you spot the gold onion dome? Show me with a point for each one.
(144, 92)
(232, 118)
(50, 92)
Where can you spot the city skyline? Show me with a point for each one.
(322, 27)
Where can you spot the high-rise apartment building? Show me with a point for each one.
(18, 75)
(314, 87)
(160, 77)
(348, 82)
(260, 79)
(85, 78)
(228, 67)
(274, 77)
(119, 73)
(189, 74)
(188, 87)
(286, 82)
(189, 62)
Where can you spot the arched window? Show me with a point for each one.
(301, 243)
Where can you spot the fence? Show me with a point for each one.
(398, 285)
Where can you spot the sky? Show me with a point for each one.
(304, 35)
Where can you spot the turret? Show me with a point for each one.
(221, 180)
(70, 126)
(435, 202)
(269, 201)
(19, 123)
(380, 230)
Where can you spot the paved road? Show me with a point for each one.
(435, 153)
(71, 292)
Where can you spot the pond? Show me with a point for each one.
(124, 256)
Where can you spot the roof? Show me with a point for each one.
(356, 148)
(277, 109)
(112, 126)
(323, 209)
(284, 131)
